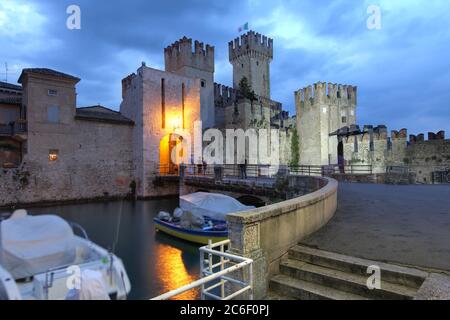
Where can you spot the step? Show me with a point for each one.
(304, 290)
(391, 273)
(272, 295)
(345, 281)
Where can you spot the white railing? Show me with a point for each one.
(227, 264)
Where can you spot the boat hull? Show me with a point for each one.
(196, 236)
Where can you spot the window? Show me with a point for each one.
(344, 119)
(163, 103)
(242, 65)
(52, 92)
(53, 114)
(203, 83)
(53, 155)
(183, 97)
(257, 63)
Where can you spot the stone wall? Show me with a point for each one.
(180, 59)
(368, 148)
(94, 161)
(265, 234)
(428, 156)
(94, 158)
(142, 103)
(250, 56)
(323, 109)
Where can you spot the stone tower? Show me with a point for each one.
(250, 56)
(197, 62)
(322, 109)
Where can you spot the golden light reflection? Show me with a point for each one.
(175, 122)
(172, 271)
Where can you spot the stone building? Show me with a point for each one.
(11, 127)
(426, 161)
(66, 153)
(321, 110)
(179, 58)
(164, 105)
(50, 150)
(250, 56)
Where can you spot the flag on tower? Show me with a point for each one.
(244, 27)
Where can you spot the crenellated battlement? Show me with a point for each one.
(327, 93)
(397, 135)
(181, 54)
(431, 137)
(368, 133)
(224, 95)
(126, 83)
(252, 43)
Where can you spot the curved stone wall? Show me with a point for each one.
(265, 234)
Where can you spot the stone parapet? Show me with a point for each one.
(265, 234)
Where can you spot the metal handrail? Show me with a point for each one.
(208, 274)
(255, 171)
(13, 128)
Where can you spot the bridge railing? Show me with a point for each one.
(256, 171)
(216, 275)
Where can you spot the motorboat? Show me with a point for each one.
(200, 218)
(41, 258)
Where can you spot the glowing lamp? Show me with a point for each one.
(175, 122)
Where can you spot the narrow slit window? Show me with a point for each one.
(163, 103)
(183, 95)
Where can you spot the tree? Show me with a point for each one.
(295, 152)
(246, 90)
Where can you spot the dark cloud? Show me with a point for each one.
(402, 70)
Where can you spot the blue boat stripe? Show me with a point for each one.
(193, 232)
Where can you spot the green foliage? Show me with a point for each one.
(246, 90)
(295, 152)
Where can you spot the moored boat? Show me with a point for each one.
(41, 258)
(200, 218)
(215, 233)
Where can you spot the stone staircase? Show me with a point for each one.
(311, 274)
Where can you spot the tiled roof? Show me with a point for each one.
(49, 72)
(11, 100)
(103, 114)
(10, 86)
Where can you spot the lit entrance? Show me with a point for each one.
(170, 154)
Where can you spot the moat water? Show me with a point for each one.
(155, 262)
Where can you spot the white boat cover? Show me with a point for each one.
(213, 205)
(34, 244)
(92, 287)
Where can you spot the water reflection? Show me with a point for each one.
(173, 269)
(156, 263)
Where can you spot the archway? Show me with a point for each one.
(251, 201)
(340, 154)
(169, 158)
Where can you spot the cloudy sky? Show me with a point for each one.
(402, 70)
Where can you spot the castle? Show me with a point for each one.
(52, 150)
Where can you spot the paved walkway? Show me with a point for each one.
(404, 224)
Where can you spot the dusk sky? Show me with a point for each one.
(402, 70)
